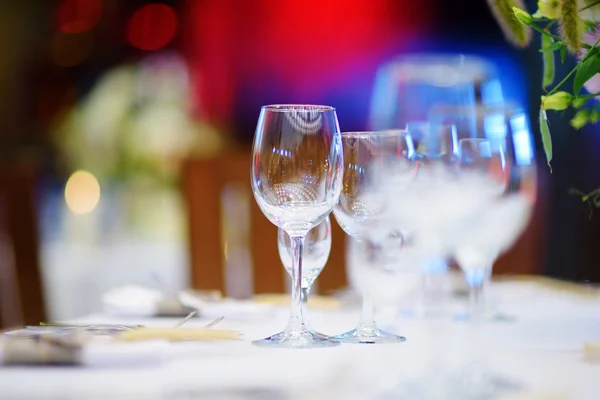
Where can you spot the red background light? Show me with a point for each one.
(152, 27)
(78, 16)
(253, 51)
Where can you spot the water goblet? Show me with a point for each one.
(296, 175)
(361, 208)
(497, 177)
(494, 227)
(408, 88)
(317, 246)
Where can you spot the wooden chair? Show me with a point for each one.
(226, 227)
(21, 293)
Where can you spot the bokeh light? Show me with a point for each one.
(82, 192)
(78, 16)
(152, 27)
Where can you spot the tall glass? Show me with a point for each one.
(296, 174)
(367, 155)
(406, 90)
(500, 223)
(498, 171)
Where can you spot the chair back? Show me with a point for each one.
(21, 292)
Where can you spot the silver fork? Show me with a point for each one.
(190, 315)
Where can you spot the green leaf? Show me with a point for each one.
(548, 58)
(550, 47)
(589, 67)
(563, 54)
(546, 139)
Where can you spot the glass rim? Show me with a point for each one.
(297, 107)
(367, 134)
(436, 57)
(474, 140)
(507, 107)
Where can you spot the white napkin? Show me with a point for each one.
(229, 308)
(132, 301)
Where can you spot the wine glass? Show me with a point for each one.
(367, 155)
(296, 174)
(436, 147)
(408, 88)
(496, 150)
(317, 246)
(508, 169)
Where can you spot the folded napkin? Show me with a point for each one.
(73, 350)
(135, 301)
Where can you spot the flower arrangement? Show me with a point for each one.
(135, 124)
(133, 132)
(566, 27)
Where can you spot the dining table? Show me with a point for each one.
(548, 349)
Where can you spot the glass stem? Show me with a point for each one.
(305, 293)
(296, 322)
(477, 293)
(367, 320)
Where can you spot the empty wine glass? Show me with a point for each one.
(507, 168)
(408, 88)
(497, 177)
(297, 166)
(317, 246)
(367, 155)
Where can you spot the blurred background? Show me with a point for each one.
(105, 105)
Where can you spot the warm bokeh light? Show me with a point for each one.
(152, 27)
(68, 50)
(82, 192)
(78, 16)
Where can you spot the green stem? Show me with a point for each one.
(574, 69)
(590, 5)
(588, 96)
(544, 32)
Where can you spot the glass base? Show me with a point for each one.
(367, 335)
(296, 340)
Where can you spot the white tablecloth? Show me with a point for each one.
(540, 355)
